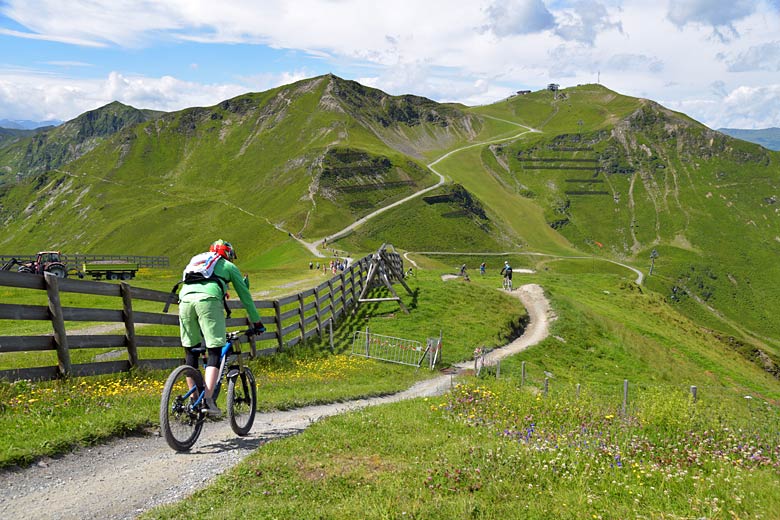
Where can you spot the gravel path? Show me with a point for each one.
(128, 476)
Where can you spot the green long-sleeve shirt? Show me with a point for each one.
(229, 272)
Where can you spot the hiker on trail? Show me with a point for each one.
(202, 311)
(311, 265)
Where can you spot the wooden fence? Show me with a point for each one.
(288, 320)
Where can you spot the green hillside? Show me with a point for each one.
(580, 171)
(620, 177)
(306, 159)
(38, 151)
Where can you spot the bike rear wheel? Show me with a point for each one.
(180, 420)
(242, 402)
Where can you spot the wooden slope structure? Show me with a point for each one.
(383, 269)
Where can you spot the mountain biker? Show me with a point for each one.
(201, 315)
(507, 271)
(482, 267)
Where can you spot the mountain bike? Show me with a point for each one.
(507, 283)
(181, 413)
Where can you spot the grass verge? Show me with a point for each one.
(495, 450)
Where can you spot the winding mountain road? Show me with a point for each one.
(125, 477)
(313, 246)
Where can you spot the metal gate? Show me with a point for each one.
(388, 348)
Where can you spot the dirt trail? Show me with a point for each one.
(126, 477)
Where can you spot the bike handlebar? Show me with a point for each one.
(238, 333)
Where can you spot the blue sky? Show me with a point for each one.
(716, 60)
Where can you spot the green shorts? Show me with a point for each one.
(204, 319)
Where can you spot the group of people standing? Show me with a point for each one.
(335, 266)
(506, 270)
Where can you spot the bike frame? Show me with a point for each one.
(232, 347)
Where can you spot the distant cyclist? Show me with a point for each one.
(506, 271)
(202, 315)
(482, 267)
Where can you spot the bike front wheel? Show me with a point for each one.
(180, 420)
(242, 402)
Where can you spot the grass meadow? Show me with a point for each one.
(491, 448)
(45, 418)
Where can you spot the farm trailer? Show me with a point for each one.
(111, 270)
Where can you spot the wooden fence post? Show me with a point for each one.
(694, 393)
(58, 324)
(331, 304)
(578, 390)
(498, 369)
(368, 344)
(353, 282)
(546, 385)
(278, 318)
(522, 373)
(301, 323)
(344, 306)
(317, 310)
(127, 314)
(330, 329)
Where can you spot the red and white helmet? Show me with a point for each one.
(223, 249)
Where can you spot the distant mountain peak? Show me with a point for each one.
(26, 124)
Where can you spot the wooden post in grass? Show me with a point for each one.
(330, 329)
(278, 317)
(578, 390)
(693, 393)
(368, 345)
(58, 324)
(127, 315)
(317, 310)
(498, 369)
(522, 373)
(625, 396)
(546, 385)
(301, 321)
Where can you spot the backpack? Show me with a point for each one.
(200, 269)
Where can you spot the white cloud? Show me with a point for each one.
(25, 95)
(743, 107)
(584, 21)
(50, 37)
(470, 51)
(68, 64)
(759, 57)
(512, 17)
(721, 15)
(265, 81)
(710, 12)
(635, 62)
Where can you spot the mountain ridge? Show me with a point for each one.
(604, 174)
(48, 148)
(766, 137)
(25, 124)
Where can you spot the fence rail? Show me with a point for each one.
(78, 259)
(288, 320)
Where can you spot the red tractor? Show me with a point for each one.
(46, 262)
